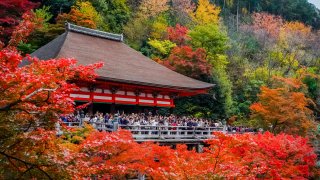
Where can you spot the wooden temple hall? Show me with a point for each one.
(127, 79)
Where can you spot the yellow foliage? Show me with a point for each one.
(152, 8)
(164, 47)
(284, 60)
(159, 28)
(296, 27)
(206, 13)
(294, 34)
(244, 11)
(83, 14)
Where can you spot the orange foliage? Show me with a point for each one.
(297, 27)
(264, 23)
(82, 14)
(152, 8)
(283, 109)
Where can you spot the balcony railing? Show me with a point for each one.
(160, 132)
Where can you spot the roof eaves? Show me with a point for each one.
(93, 32)
(208, 86)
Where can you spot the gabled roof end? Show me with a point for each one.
(93, 32)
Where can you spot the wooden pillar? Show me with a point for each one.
(199, 148)
(137, 93)
(112, 108)
(90, 108)
(91, 89)
(172, 97)
(155, 95)
(171, 110)
(113, 90)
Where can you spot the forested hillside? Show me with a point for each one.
(238, 45)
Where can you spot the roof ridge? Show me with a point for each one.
(93, 32)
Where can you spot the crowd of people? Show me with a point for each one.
(149, 119)
(138, 119)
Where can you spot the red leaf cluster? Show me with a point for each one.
(261, 156)
(228, 156)
(41, 86)
(28, 24)
(268, 24)
(11, 12)
(185, 60)
(178, 34)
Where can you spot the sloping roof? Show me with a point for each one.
(121, 63)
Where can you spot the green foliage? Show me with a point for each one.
(164, 47)
(224, 91)
(59, 6)
(136, 32)
(115, 14)
(214, 41)
(159, 27)
(210, 37)
(313, 86)
(44, 14)
(77, 135)
(26, 48)
(199, 106)
(292, 10)
(246, 95)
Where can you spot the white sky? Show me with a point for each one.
(315, 2)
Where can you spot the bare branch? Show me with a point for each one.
(37, 91)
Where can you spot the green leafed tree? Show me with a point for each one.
(115, 14)
(214, 40)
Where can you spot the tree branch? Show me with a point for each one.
(27, 163)
(37, 91)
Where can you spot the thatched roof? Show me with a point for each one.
(121, 63)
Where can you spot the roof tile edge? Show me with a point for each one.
(93, 32)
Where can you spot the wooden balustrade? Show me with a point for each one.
(170, 132)
(149, 132)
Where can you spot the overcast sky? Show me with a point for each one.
(315, 2)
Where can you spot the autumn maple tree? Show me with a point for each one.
(31, 100)
(178, 55)
(178, 34)
(267, 25)
(260, 156)
(11, 12)
(284, 108)
(187, 61)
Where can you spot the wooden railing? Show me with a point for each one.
(148, 132)
(73, 124)
(171, 132)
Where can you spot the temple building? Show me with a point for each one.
(127, 77)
